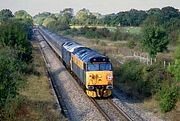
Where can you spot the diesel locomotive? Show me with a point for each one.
(92, 69)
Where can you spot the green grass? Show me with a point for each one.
(39, 104)
(132, 30)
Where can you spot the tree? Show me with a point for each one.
(82, 16)
(154, 20)
(154, 11)
(135, 17)
(22, 14)
(49, 19)
(154, 39)
(66, 15)
(38, 19)
(175, 68)
(169, 13)
(14, 34)
(5, 14)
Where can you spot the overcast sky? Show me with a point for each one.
(102, 6)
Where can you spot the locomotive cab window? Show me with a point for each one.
(93, 67)
(105, 66)
(99, 67)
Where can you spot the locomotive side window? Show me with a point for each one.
(105, 66)
(93, 67)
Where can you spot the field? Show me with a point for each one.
(131, 30)
(39, 102)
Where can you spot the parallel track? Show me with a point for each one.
(52, 80)
(110, 111)
(106, 107)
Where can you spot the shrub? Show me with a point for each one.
(131, 44)
(9, 81)
(17, 38)
(155, 76)
(141, 79)
(103, 32)
(131, 74)
(168, 98)
(58, 26)
(120, 35)
(72, 32)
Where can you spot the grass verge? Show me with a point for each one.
(38, 101)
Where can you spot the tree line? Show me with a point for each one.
(132, 17)
(15, 59)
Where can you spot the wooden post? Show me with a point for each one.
(151, 61)
(169, 64)
(164, 64)
(147, 62)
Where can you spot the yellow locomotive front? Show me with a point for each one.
(99, 79)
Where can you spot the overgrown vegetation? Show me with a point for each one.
(141, 81)
(168, 98)
(15, 55)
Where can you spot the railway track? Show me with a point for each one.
(51, 79)
(109, 110)
(106, 107)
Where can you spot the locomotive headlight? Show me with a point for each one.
(109, 87)
(90, 88)
(109, 76)
(99, 76)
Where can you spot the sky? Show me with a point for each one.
(34, 7)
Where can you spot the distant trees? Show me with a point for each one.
(22, 14)
(169, 12)
(58, 26)
(49, 19)
(39, 18)
(132, 17)
(82, 16)
(160, 27)
(5, 14)
(66, 15)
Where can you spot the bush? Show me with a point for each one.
(155, 76)
(142, 80)
(93, 32)
(58, 26)
(10, 78)
(120, 35)
(131, 44)
(168, 98)
(103, 32)
(72, 32)
(17, 38)
(131, 74)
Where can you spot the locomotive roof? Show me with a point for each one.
(88, 55)
(71, 46)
